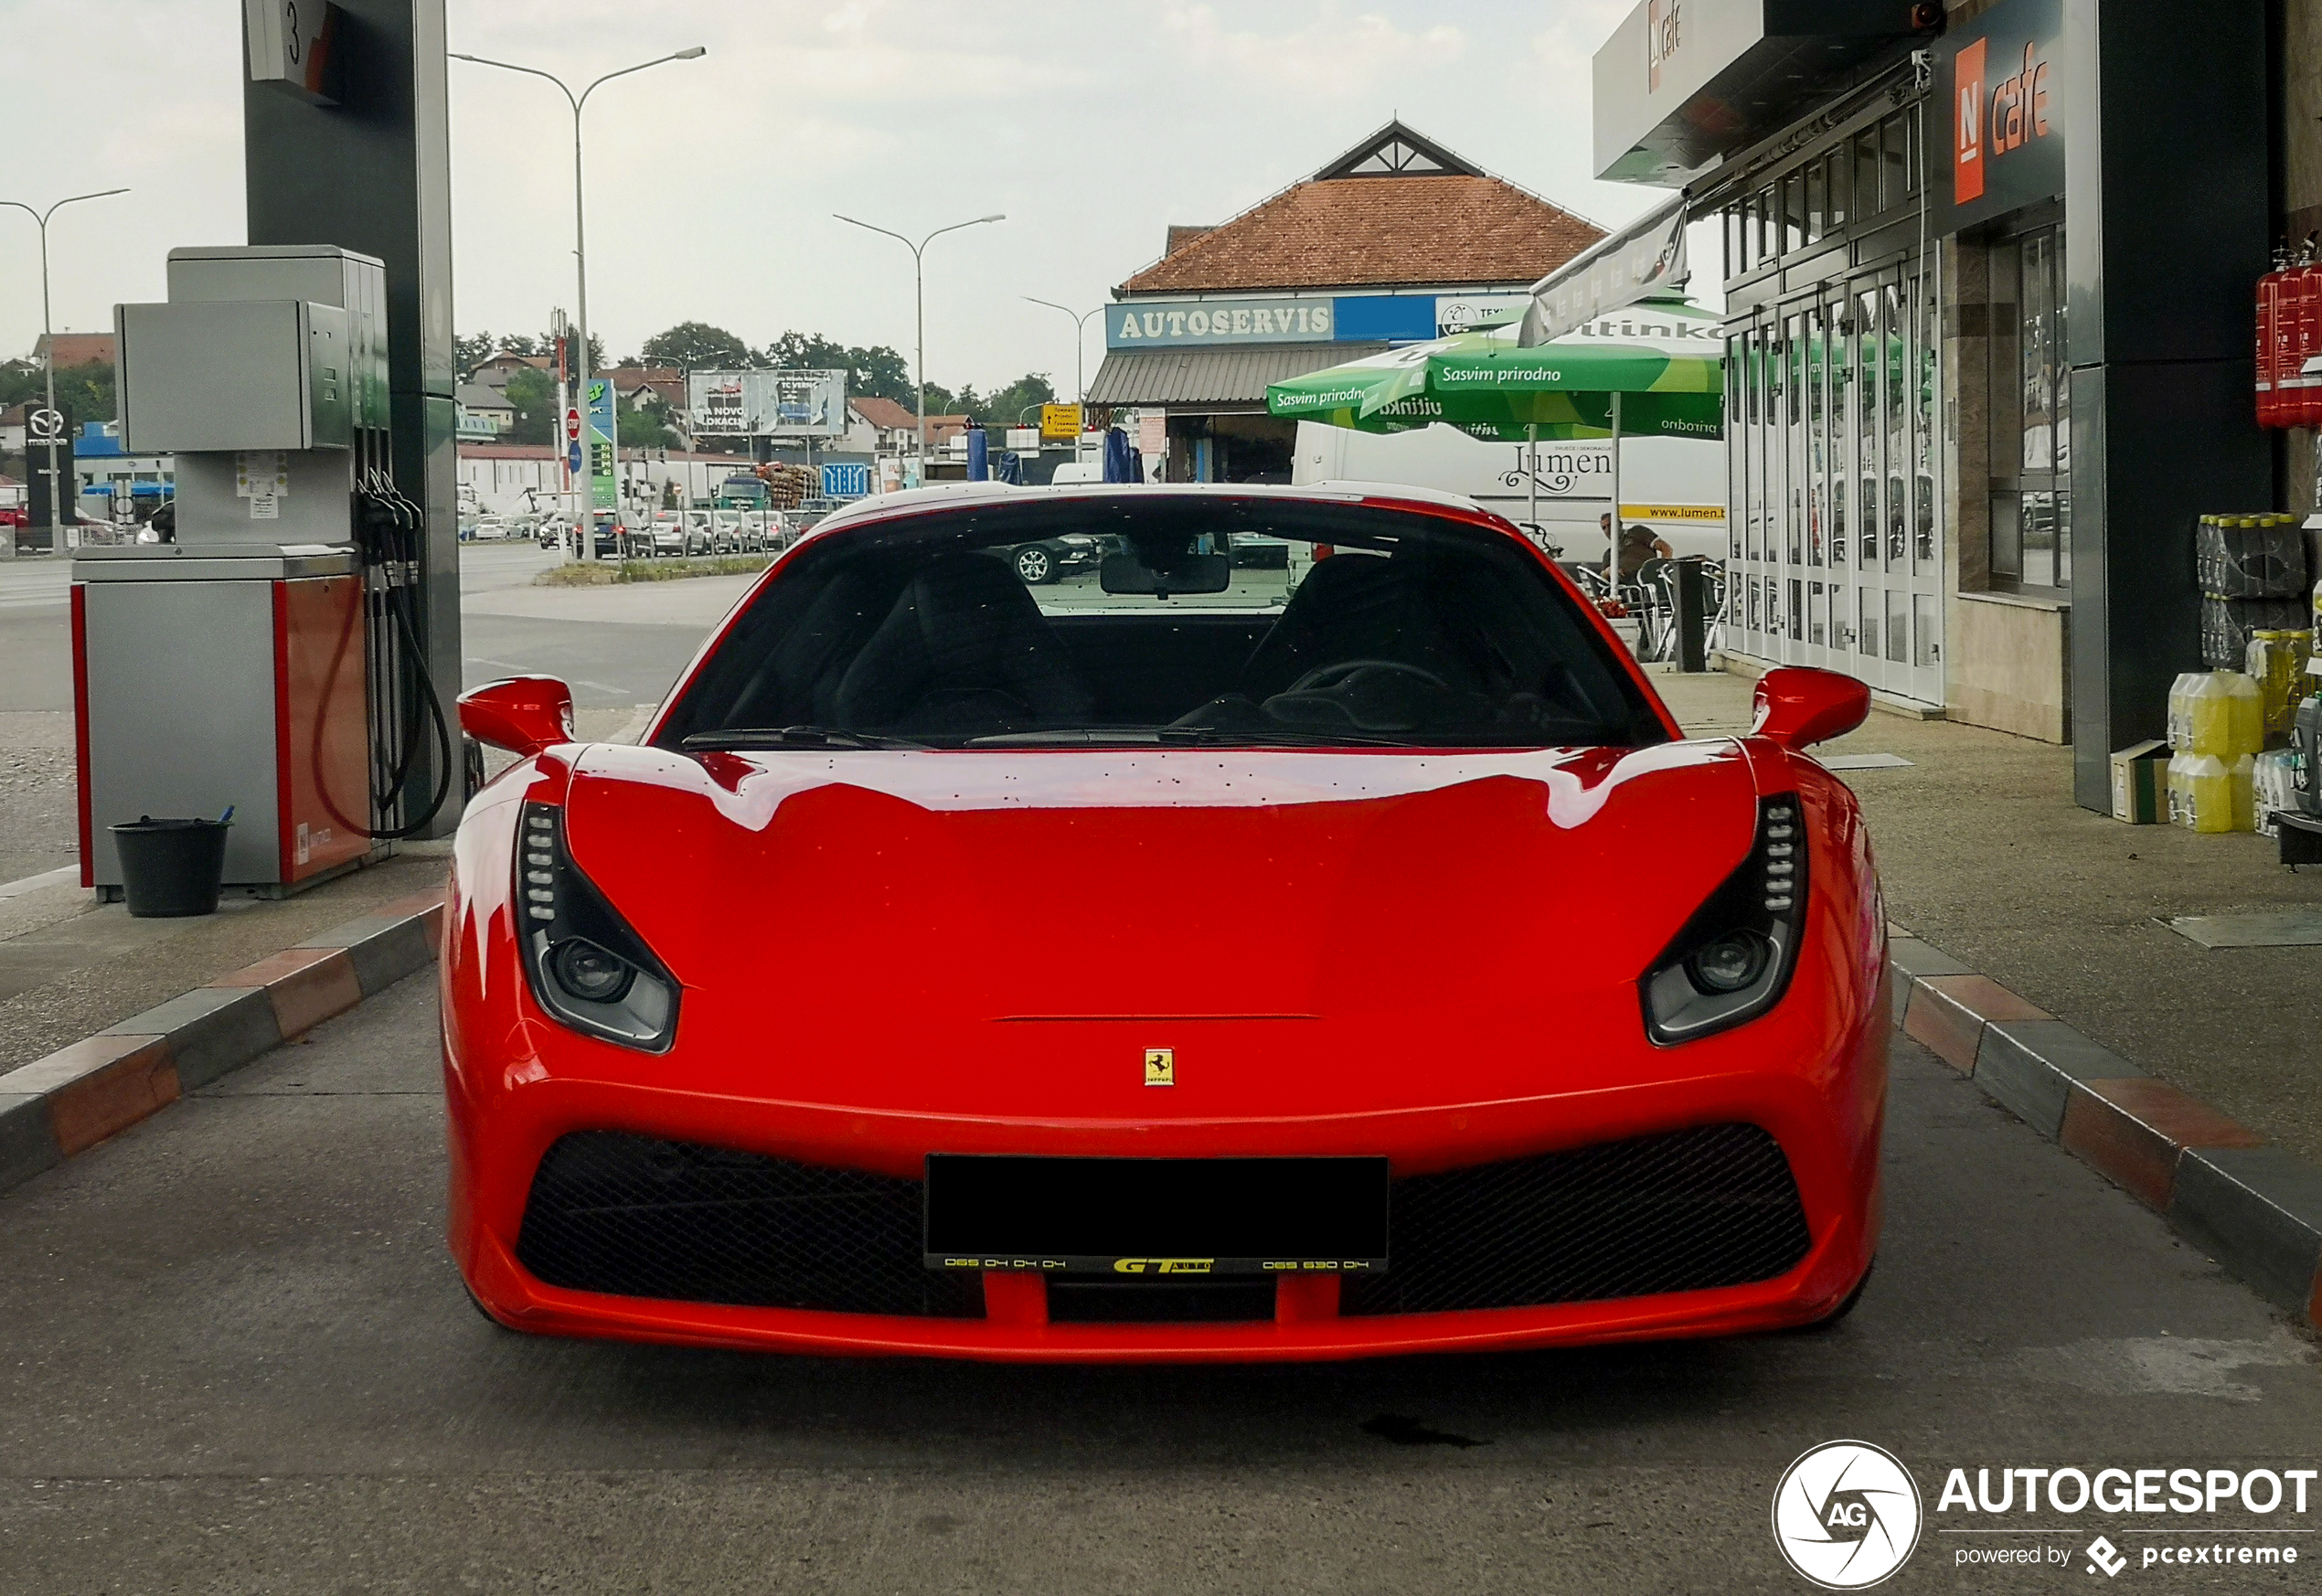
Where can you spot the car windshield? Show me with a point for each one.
(1164, 618)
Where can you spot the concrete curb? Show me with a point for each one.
(56, 1107)
(2255, 1208)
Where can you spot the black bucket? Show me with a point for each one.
(170, 867)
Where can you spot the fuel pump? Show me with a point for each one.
(269, 658)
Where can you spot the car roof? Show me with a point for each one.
(957, 495)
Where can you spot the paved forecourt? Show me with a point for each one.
(233, 1357)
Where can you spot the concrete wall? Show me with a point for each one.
(2010, 666)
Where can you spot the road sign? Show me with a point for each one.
(846, 479)
(572, 425)
(1060, 420)
(573, 459)
(46, 426)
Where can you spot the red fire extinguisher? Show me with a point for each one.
(2301, 405)
(2269, 325)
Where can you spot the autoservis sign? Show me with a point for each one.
(2000, 98)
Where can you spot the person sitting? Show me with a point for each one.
(1638, 544)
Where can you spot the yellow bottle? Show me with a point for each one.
(2243, 774)
(2181, 704)
(2179, 789)
(2208, 804)
(2275, 661)
(2227, 715)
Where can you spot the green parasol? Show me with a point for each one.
(1655, 368)
(1663, 357)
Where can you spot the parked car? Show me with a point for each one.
(553, 531)
(1626, 1080)
(1053, 558)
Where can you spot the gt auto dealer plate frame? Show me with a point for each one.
(1155, 1217)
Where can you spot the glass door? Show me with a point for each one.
(1835, 552)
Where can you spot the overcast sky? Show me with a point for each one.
(711, 183)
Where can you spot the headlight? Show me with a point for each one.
(585, 965)
(1732, 960)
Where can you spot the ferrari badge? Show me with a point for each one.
(1160, 1066)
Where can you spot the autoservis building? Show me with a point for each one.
(1395, 241)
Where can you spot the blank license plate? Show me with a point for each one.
(1156, 1216)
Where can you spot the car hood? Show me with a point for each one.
(847, 906)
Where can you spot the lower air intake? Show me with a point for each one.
(636, 1216)
(1684, 1211)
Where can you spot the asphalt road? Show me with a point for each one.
(234, 1358)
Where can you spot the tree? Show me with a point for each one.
(644, 429)
(534, 395)
(19, 380)
(698, 346)
(545, 344)
(1006, 407)
(873, 371)
(470, 350)
(85, 392)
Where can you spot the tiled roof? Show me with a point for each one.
(1174, 377)
(1349, 232)
(883, 412)
(79, 348)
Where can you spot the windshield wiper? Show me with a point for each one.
(1061, 739)
(1282, 736)
(753, 737)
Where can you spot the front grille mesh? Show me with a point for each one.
(1715, 1206)
(1689, 1210)
(637, 1217)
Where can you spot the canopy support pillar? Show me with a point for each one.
(1532, 473)
(1613, 544)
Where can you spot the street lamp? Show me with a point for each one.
(919, 300)
(48, 344)
(1079, 336)
(588, 540)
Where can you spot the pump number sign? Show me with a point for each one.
(599, 440)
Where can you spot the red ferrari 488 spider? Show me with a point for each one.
(1301, 932)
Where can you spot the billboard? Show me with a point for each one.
(767, 404)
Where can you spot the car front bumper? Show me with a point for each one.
(516, 1083)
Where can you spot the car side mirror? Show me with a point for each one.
(521, 714)
(1799, 706)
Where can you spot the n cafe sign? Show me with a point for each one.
(2002, 77)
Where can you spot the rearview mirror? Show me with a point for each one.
(1187, 573)
(1799, 706)
(521, 714)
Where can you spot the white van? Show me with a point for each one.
(1675, 485)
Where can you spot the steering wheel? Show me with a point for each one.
(1376, 695)
(1340, 673)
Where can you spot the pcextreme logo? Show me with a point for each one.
(1847, 1515)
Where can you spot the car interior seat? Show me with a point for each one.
(965, 649)
(1351, 607)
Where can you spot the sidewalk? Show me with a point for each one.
(1983, 854)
